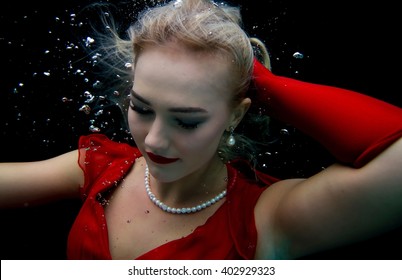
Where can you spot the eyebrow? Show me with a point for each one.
(174, 109)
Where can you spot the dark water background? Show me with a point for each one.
(45, 74)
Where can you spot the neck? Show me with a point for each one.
(194, 188)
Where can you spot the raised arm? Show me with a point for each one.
(347, 202)
(31, 183)
(354, 127)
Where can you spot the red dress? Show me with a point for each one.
(230, 233)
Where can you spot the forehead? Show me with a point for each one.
(175, 72)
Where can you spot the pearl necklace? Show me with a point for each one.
(184, 210)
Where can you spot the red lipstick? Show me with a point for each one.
(160, 159)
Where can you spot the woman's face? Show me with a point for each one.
(179, 109)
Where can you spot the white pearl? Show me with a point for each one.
(172, 210)
(231, 141)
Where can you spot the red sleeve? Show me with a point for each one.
(354, 127)
(98, 153)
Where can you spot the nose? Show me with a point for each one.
(157, 139)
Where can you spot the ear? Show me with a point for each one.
(239, 111)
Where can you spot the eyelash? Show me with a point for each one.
(188, 126)
(146, 112)
(140, 110)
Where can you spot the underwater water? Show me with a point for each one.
(49, 90)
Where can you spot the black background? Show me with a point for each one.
(351, 46)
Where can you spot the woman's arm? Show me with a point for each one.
(31, 183)
(336, 207)
(344, 203)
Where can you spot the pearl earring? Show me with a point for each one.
(231, 140)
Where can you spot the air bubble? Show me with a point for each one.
(93, 128)
(86, 109)
(100, 112)
(89, 41)
(298, 55)
(66, 99)
(97, 84)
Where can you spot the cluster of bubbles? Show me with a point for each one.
(70, 57)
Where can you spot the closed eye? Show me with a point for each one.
(141, 109)
(188, 125)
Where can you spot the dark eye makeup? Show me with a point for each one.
(187, 125)
(144, 111)
(140, 109)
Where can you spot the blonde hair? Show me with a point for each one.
(200, 25)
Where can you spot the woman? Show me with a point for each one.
(183, 192)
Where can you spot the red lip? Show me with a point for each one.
(160, 159)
